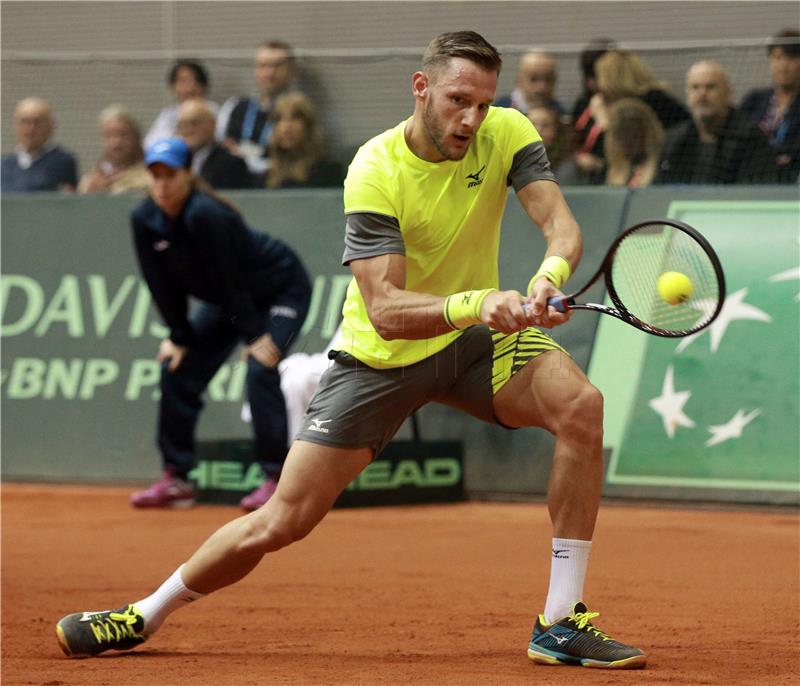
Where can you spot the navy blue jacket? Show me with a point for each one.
(53, 170)
(786, 139)
(209, 253)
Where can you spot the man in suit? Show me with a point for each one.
(37, 164)
(210, 160)
(719, 144)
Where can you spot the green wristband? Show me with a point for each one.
(464, 309)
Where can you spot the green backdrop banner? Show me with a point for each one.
(79, 378)
(79, 334)
(716, 414)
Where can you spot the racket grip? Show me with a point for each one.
(560, 302)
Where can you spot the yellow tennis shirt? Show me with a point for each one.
(443, 216)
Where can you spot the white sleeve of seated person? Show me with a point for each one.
(300, 375)
(223, 116)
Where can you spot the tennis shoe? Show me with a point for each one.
(168, 491)
(252, 501)
(84, 634)
(574, 640)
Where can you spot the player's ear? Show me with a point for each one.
(419, 84)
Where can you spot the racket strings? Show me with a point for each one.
(643, 256)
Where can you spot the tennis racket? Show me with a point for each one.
(631, 271)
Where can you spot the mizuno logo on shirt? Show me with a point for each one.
(161, 246)
(476, 178)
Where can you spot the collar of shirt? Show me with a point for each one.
(26, 159)
(200, 156)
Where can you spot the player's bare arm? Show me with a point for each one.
(545, 205)
(399, 313)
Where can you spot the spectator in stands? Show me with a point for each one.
(633, 143)
(588, 134)
(38, 164)
(187, 79)
(536, 83)
(554, 135)
(719, 144)
(623, 74)
(777, 110)
(587, 60)
(244, 124)
(210, 160)
(296, 145)
(121, 167)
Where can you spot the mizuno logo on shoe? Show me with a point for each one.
(559, 639)
(557, 553)
(87, 616)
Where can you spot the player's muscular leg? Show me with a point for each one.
(552, 392)
(313, 477)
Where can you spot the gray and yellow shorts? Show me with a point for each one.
(356, 406)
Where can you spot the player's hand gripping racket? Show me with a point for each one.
(662, 276)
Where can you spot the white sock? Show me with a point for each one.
(170, 596)
(567, 572)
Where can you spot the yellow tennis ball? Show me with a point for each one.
(674, 287)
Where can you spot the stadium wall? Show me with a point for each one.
(355, 58)
(79, 382)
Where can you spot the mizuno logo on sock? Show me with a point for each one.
(557, 553)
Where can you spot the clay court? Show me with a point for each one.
(415, 595)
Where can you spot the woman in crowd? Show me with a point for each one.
(555, 136)
(251, 288)
(633, 142)
(296, 146)
(623, 74)
(120, 168)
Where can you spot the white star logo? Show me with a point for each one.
(792, 274)
(734, 308)
(733, 429)
(670, 405)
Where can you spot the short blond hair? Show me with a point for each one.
(112, 112)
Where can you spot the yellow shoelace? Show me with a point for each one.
(119, 625)
(582, 619)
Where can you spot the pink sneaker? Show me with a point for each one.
(169, 491)
(260, 496)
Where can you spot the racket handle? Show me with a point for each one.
(560, 302)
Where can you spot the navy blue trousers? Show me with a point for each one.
(182, 389)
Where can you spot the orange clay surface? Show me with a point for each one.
(417, 595)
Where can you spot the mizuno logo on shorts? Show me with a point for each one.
(317, 425)
(161, 246)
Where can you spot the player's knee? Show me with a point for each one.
(268, 534)
(582, 415)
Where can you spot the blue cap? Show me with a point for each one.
(172, 152)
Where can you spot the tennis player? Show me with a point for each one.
(425, 322)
